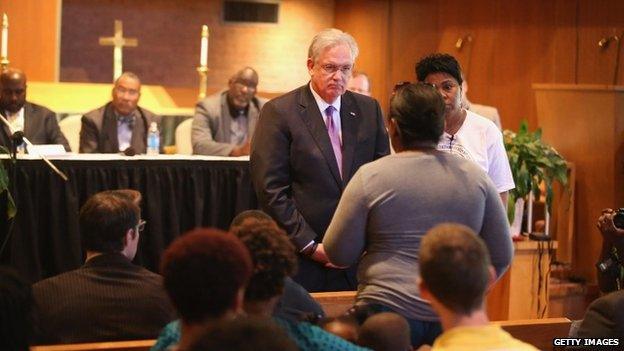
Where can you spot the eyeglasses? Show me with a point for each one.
(331, 69)
(141, 226)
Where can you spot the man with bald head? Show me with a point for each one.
(38, 123)
(360, 83)
(224, 122)
(120, 125)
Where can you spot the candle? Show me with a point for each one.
(5, 36)
(203, 57)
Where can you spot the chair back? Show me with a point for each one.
(183, 137)
(70, 126)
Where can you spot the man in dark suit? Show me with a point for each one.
(120, 125)
(307, 145)
(108, 298)
(38, 123)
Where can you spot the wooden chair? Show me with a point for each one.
(537, 332)
(335, 303)
(132, 345)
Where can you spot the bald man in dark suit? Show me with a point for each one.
(307, 145)
(38, 123)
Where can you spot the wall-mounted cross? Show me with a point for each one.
(118, 42)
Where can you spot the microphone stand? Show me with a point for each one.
(19, 136)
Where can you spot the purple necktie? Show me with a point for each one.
(334, 136)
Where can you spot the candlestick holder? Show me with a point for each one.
(203, 81)
(4, 63)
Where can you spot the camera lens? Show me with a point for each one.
(618, 218)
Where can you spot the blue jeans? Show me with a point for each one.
(421, 332)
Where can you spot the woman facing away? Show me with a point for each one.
(392, 202)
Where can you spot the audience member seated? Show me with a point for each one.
(360, 83)
(295, 303)
(16, 301)
(120, 125)
(383, 214)
(274, 258)
(224, 122)
(108, 298)
(244, 334)
(455, 274)
(385, 331)
(38, 123)
(205, 273)
(605, 316)
(466, 134)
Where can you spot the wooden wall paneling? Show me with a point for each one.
(367, 21)
(565, 41)
(524, 46)
(414, 34)
(598, 19)
(33, 40)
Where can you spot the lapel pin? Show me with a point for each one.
(352, 114)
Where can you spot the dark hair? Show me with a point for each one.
(203, 270)
(104, 220)
(454, 265)
(438, 63)
(16, 303)
(245, 215)
(418, 110)
(273, 257)
(385, 331)
(244, 334)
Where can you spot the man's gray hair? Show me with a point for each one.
(328, 38)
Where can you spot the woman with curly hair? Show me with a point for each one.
(274, 258)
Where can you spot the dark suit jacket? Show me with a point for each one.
(98, 133)
(604, 317)
(294, 170)
(108, 298)
(40, 127)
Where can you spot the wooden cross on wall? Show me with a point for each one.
(118, 42)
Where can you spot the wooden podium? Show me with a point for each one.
(585, 123)
(522, 292)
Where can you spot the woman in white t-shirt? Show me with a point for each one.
(465, 133)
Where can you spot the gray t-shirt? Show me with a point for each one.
(391, 203)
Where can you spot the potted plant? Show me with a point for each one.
(532, 162)
(4, 186)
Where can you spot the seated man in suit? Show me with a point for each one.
(120, 125)
(108, 298)
(360, 83)
(224, 122)
(37, 122)
(452, 256)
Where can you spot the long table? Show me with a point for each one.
(179, 193)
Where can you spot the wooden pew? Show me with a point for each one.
(537, 332)
(131, 345)
(335, 303)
